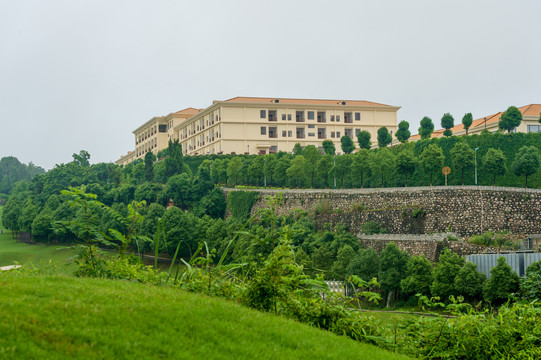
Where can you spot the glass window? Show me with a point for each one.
(284, 133)
(283, 116)
(337, 118)
(311, 126)
(332, 117)
(263, 130)
(310, 115)
(534, 128)
(288, 116)
(357, 116)
(332, 134)
(263, 114)
(338, 134)
(289, 133)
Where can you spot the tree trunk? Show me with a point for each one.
(389, 297)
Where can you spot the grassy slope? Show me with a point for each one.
(64, 317)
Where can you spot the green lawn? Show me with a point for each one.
(60, 317)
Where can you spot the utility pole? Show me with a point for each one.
(476, 166)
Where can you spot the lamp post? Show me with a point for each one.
(485, 123)
(476, 166)
(265, 172)
(391, 138)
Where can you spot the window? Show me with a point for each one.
(348, 119)
(337, 118)
(310, 115)
(162, 128)
(311, 126)
(284, 133)
(299, 116)
(321, 133)
(357, 131)
(332, 134)
(272, 115)
(311, 134)
(338, 134)
(357, 116)
(332, 118)
(289, 133)
(273, 149)
(349, 132)
(283, 116)
(534, 128)
(289, 117)
(263, 130)
(273, 132)
(263, 114)
(321, 117)
(300, 133)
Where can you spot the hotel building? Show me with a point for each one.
(252, 125)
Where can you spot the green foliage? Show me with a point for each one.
(403, 133)
(82, 158)
(462, 156)
(347, 144)
(495, 163)
(384, 138)
(526, 162)
(406, 164)
(328, 147)
(311, 156)
(382, 163)
(431, 160)
(234, 170)
(427, 128)
(240, 203)
(530, 285)
(392, 268)
(445, 272)
(297, 149)
(150, 158)
(343, 259)
(364, 139)
(296, 171)
(502, 283)
(364, 265)
(174, 159)
(469, 282)
(360, 165)
(418, 276)
(447, 122)
(467, 120)
(12, 171)
(510, 119)
(373, 227)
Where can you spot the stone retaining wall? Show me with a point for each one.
(466, 210)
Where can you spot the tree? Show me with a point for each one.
(28, 214)
(363, 138)
(503, 282)
(218, 172)
(403, 133)
(418, 276)
(256, 169)
(328, 147)
(179, 189)
(405, 164)
(342, 167)
(268, 167)
(384, 138)
(426, 128)
(382, 162)
(469, 282)
(445, 273)
(311, 156)
(530, 285)
(149, 162)
(462, 156)
(343, 259)
(365, 264)
(467, 121)
(347, 144)
(510, 119)
(360, 166)
(174, 160)
(82, 158)
(392, 269)
(280, 170)
(431, 160)
(495, 163)
(297, 149)
(447, 122)
(526, 162)
(296, 171)
(323, 167)
(233, 169)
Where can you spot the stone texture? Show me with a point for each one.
(465, 210)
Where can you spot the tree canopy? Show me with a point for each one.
(427, 128)
(510, 119)
(447, 122)
(403, 133)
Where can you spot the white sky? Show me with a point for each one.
(84, 74)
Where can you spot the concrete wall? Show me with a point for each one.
(465, 210)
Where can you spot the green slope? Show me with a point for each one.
(59, 317)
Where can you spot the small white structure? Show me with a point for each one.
(9, 267)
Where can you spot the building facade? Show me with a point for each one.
(253, 125)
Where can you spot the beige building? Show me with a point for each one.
(252, 125)
(530, 123)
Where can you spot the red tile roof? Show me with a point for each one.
(264, 100)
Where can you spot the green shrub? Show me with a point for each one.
(372, 227)
(240, 203)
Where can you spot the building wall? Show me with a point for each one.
(242, 128)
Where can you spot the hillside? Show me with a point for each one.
(62, 317)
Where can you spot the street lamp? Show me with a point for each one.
(391, 138)
(485, 123)
(476, 166)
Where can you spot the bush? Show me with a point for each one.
(502, 283)
(372, 227)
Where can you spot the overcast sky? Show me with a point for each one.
(84, 74)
